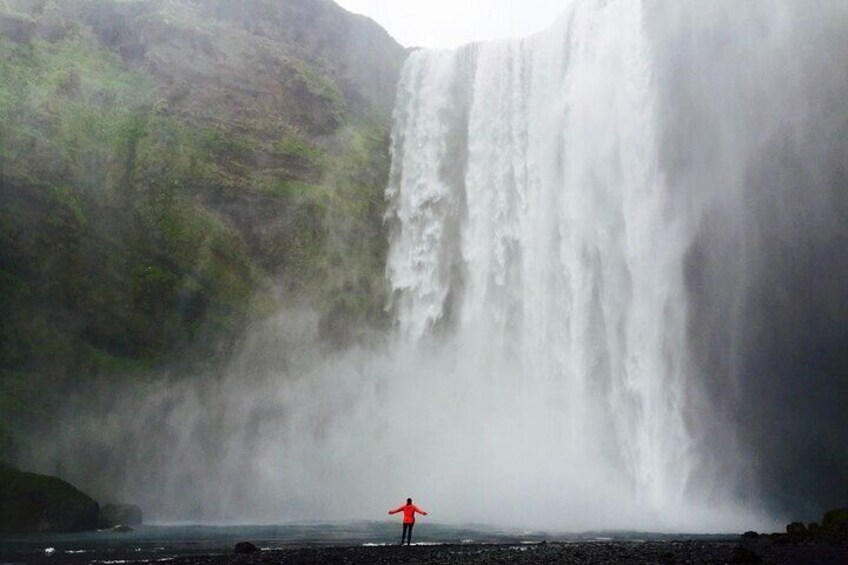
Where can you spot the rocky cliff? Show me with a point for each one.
(171, 170)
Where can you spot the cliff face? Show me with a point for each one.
(303, 60)
(172, 169)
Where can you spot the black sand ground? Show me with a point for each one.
(661, 552)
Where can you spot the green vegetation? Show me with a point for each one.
(148, 212)
(104, 243)
(354, 254)
(301, 151)
(108, 263)
(321, 86)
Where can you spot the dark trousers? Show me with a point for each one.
(407, 534)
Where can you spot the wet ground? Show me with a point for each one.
(372, 543)
(663, 552)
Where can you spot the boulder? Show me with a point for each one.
(113, 514)
(750, 535)
(835, 521)
(246, 547)
(39, 503)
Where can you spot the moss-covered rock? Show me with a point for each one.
(170, 172)
(38, 503)
(162, 163)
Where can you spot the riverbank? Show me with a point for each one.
(576, 553)
(662, 552)
(373, 543)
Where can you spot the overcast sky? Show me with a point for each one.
(450, 23)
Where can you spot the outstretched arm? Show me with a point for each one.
(396, 510)
(419, 511)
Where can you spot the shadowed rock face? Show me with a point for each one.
(38, 503)
(756, 137)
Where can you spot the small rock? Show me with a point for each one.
(121, 528)
(743, 555)
(246, 547)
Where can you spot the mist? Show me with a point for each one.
(617, 284)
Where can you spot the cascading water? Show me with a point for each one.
(551, 201)
(614, 246)
(532, 224)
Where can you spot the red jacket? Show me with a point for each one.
(409, 511)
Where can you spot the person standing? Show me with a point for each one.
(409, 511)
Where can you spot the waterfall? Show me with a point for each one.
(583, 224)
(533, 232)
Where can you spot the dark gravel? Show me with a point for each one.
(652, 552)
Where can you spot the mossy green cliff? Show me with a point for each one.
(171, 170)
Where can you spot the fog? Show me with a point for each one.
(617, 268)
(450, 24)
